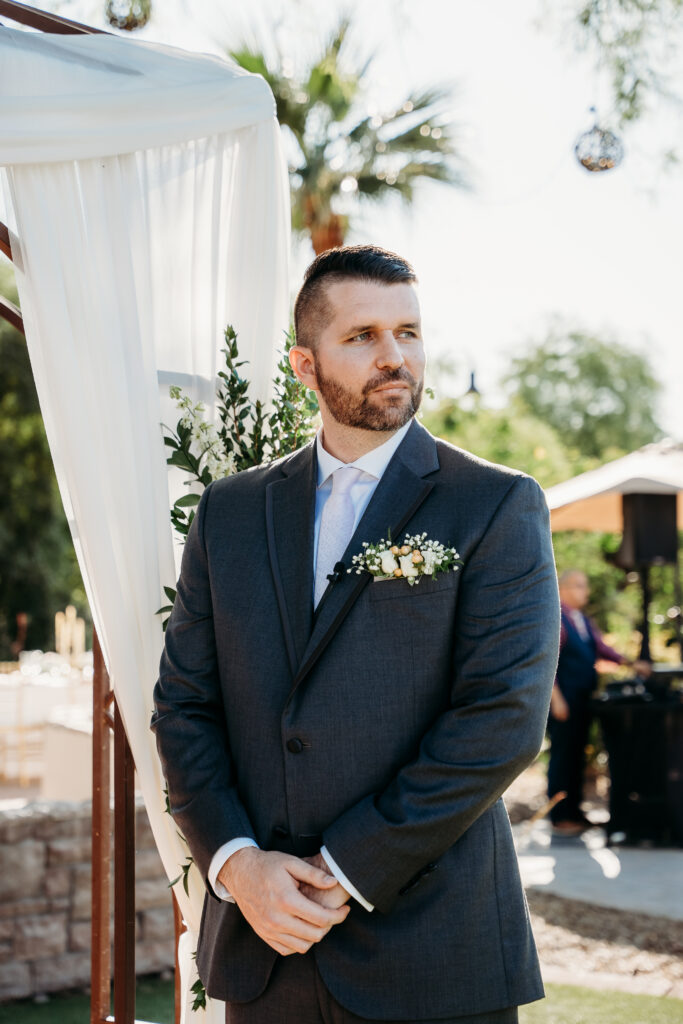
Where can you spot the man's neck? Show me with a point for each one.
(349, 443)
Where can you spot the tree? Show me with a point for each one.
(598, 395)
(636, 43)
(515, 436)
(511, 436)
(631, 38)
(339, 149)
(38, 569)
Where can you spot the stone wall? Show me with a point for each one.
(45, 897)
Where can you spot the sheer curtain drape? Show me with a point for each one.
(130, 262)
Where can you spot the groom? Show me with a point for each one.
(336, 747)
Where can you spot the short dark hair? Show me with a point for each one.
(362, 262)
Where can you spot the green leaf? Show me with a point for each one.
(182, 460)
(170, 593)
(199, 1002)
(188, 501)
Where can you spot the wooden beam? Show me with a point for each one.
(4, 237)
(100, 955)
(44, 21)
(179, 928)
(10, 313)
(124, 876)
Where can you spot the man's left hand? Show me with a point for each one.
(331, 898)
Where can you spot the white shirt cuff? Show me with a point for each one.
(218, 860)
(343, 880)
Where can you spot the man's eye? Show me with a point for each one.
(361, 337)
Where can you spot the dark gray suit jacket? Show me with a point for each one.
(386, 726)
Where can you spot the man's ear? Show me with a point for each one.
(302, 361)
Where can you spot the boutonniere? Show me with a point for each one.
(416, 557)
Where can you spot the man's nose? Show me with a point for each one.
(390, 354)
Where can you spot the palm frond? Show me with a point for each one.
(385, 154)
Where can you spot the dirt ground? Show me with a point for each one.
(582, 944)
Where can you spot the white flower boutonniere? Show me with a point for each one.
(414, 558)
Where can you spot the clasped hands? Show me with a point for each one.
(290, 902)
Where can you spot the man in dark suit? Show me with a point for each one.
(581, 645)
(336, 746)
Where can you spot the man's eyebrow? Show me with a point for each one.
(362, 328)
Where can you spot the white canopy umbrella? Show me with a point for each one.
(592, 501)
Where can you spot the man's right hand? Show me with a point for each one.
(266, 887)
(559, 708)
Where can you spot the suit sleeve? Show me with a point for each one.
(504, 662)
(189, 721)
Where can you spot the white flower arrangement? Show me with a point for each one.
(205, 441)
(414, 558)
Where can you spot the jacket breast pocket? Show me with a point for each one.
(387, 590)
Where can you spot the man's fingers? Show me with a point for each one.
(293, 927)
(305, 872)
(289, 944)
(314, 913)
(267, 888)
(331, 898)
(283, 949)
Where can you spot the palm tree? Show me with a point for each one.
(340, 150)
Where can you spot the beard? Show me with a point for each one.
(353, 410)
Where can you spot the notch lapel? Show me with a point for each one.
(398, 496)
(290, 517)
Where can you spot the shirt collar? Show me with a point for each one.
(373, 463)
(575, 614)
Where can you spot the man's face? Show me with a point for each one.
(369, 360)
(575, 591)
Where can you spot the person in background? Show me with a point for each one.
(581, 645)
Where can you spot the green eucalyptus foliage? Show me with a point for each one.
(246, 434)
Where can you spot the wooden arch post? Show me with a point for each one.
(107, 724)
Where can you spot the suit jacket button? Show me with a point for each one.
(295, 746)
(280, 831)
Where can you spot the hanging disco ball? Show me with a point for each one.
(599, 149)
(128, 14)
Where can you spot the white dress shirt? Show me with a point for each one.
(372, 466)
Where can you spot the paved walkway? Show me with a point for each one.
(649, 881)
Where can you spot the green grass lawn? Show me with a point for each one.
(153, 1002)
(564, 1005)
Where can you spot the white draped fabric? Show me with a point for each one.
(148, 207)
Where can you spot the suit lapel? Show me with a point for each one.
(398, 496)
(290, 512)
